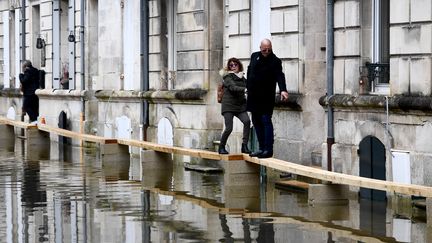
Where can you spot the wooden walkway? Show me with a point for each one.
(285, 166)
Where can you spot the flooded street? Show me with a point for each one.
(72, 195)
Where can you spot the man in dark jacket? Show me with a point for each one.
(29, 83)
(264, 71)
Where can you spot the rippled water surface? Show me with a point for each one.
(68, 194)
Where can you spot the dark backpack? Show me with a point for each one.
(220, 92)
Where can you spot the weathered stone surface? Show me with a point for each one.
(413, 39)
(400, 103)
(235, 5)
(347, 42)
(331, 193)
(402, 9)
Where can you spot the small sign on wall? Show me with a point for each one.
(401, 166)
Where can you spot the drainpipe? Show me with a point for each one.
(330, 60)
(144, 55)
(82, 44)
(23, 32)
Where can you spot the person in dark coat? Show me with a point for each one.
(264, 71)
(29, 83)
(234, 103)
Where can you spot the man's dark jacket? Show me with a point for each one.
(262, 75)
(29, 80)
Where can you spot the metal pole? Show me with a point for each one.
(82, 43)
(23, 31)
(330, 57)
(144, 27)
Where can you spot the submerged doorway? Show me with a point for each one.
(64, 143)
(372, 165)
(373, 203)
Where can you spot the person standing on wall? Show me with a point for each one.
(264, 71)
(29, 83)
(234, 103)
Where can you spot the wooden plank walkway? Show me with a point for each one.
(77, 135)
(339, 178)
(204, 154)
(18, 124)
(281, 165)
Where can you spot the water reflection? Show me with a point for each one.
(74, 196)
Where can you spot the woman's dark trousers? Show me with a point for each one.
(228, 117)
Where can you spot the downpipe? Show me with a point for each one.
(330, 64)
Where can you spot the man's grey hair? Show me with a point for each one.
(26, 63)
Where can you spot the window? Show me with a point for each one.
(379, 69)
(63, 54)
(168, 44)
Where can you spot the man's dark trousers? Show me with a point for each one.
(264, 130)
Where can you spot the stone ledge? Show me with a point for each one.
(154, 96)
(398, 103)
(293, 102)
(10, 92)
(71, 94)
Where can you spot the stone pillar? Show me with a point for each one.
(429, 220)
(157, 169)
(37, 144)
(114, 153)
(7, 139)
(335, 194)
(241, 184)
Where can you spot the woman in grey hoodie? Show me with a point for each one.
(234, 103)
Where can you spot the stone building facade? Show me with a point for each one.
(101, 78)
(382, 104)
(148, 70)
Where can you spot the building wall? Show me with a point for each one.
(410, 75)
(298, 39)
(186, 56)
(189, 54)
(410, 49)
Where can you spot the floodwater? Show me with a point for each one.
(68, 194)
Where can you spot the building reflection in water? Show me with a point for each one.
(80, 198)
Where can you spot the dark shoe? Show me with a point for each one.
(256, 154)
(265, 154)
(222, 150)
(285, 175)
(245, 149)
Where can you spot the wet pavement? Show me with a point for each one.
(68, 194)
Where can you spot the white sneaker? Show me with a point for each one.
(33, 122)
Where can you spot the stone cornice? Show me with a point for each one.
(398, 103)
(10, 92)
(63, 94)
(293, 102)
(154, 96)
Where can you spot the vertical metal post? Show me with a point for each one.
(144, 27)
(23, 31)
(82, 44)
(330, 63)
